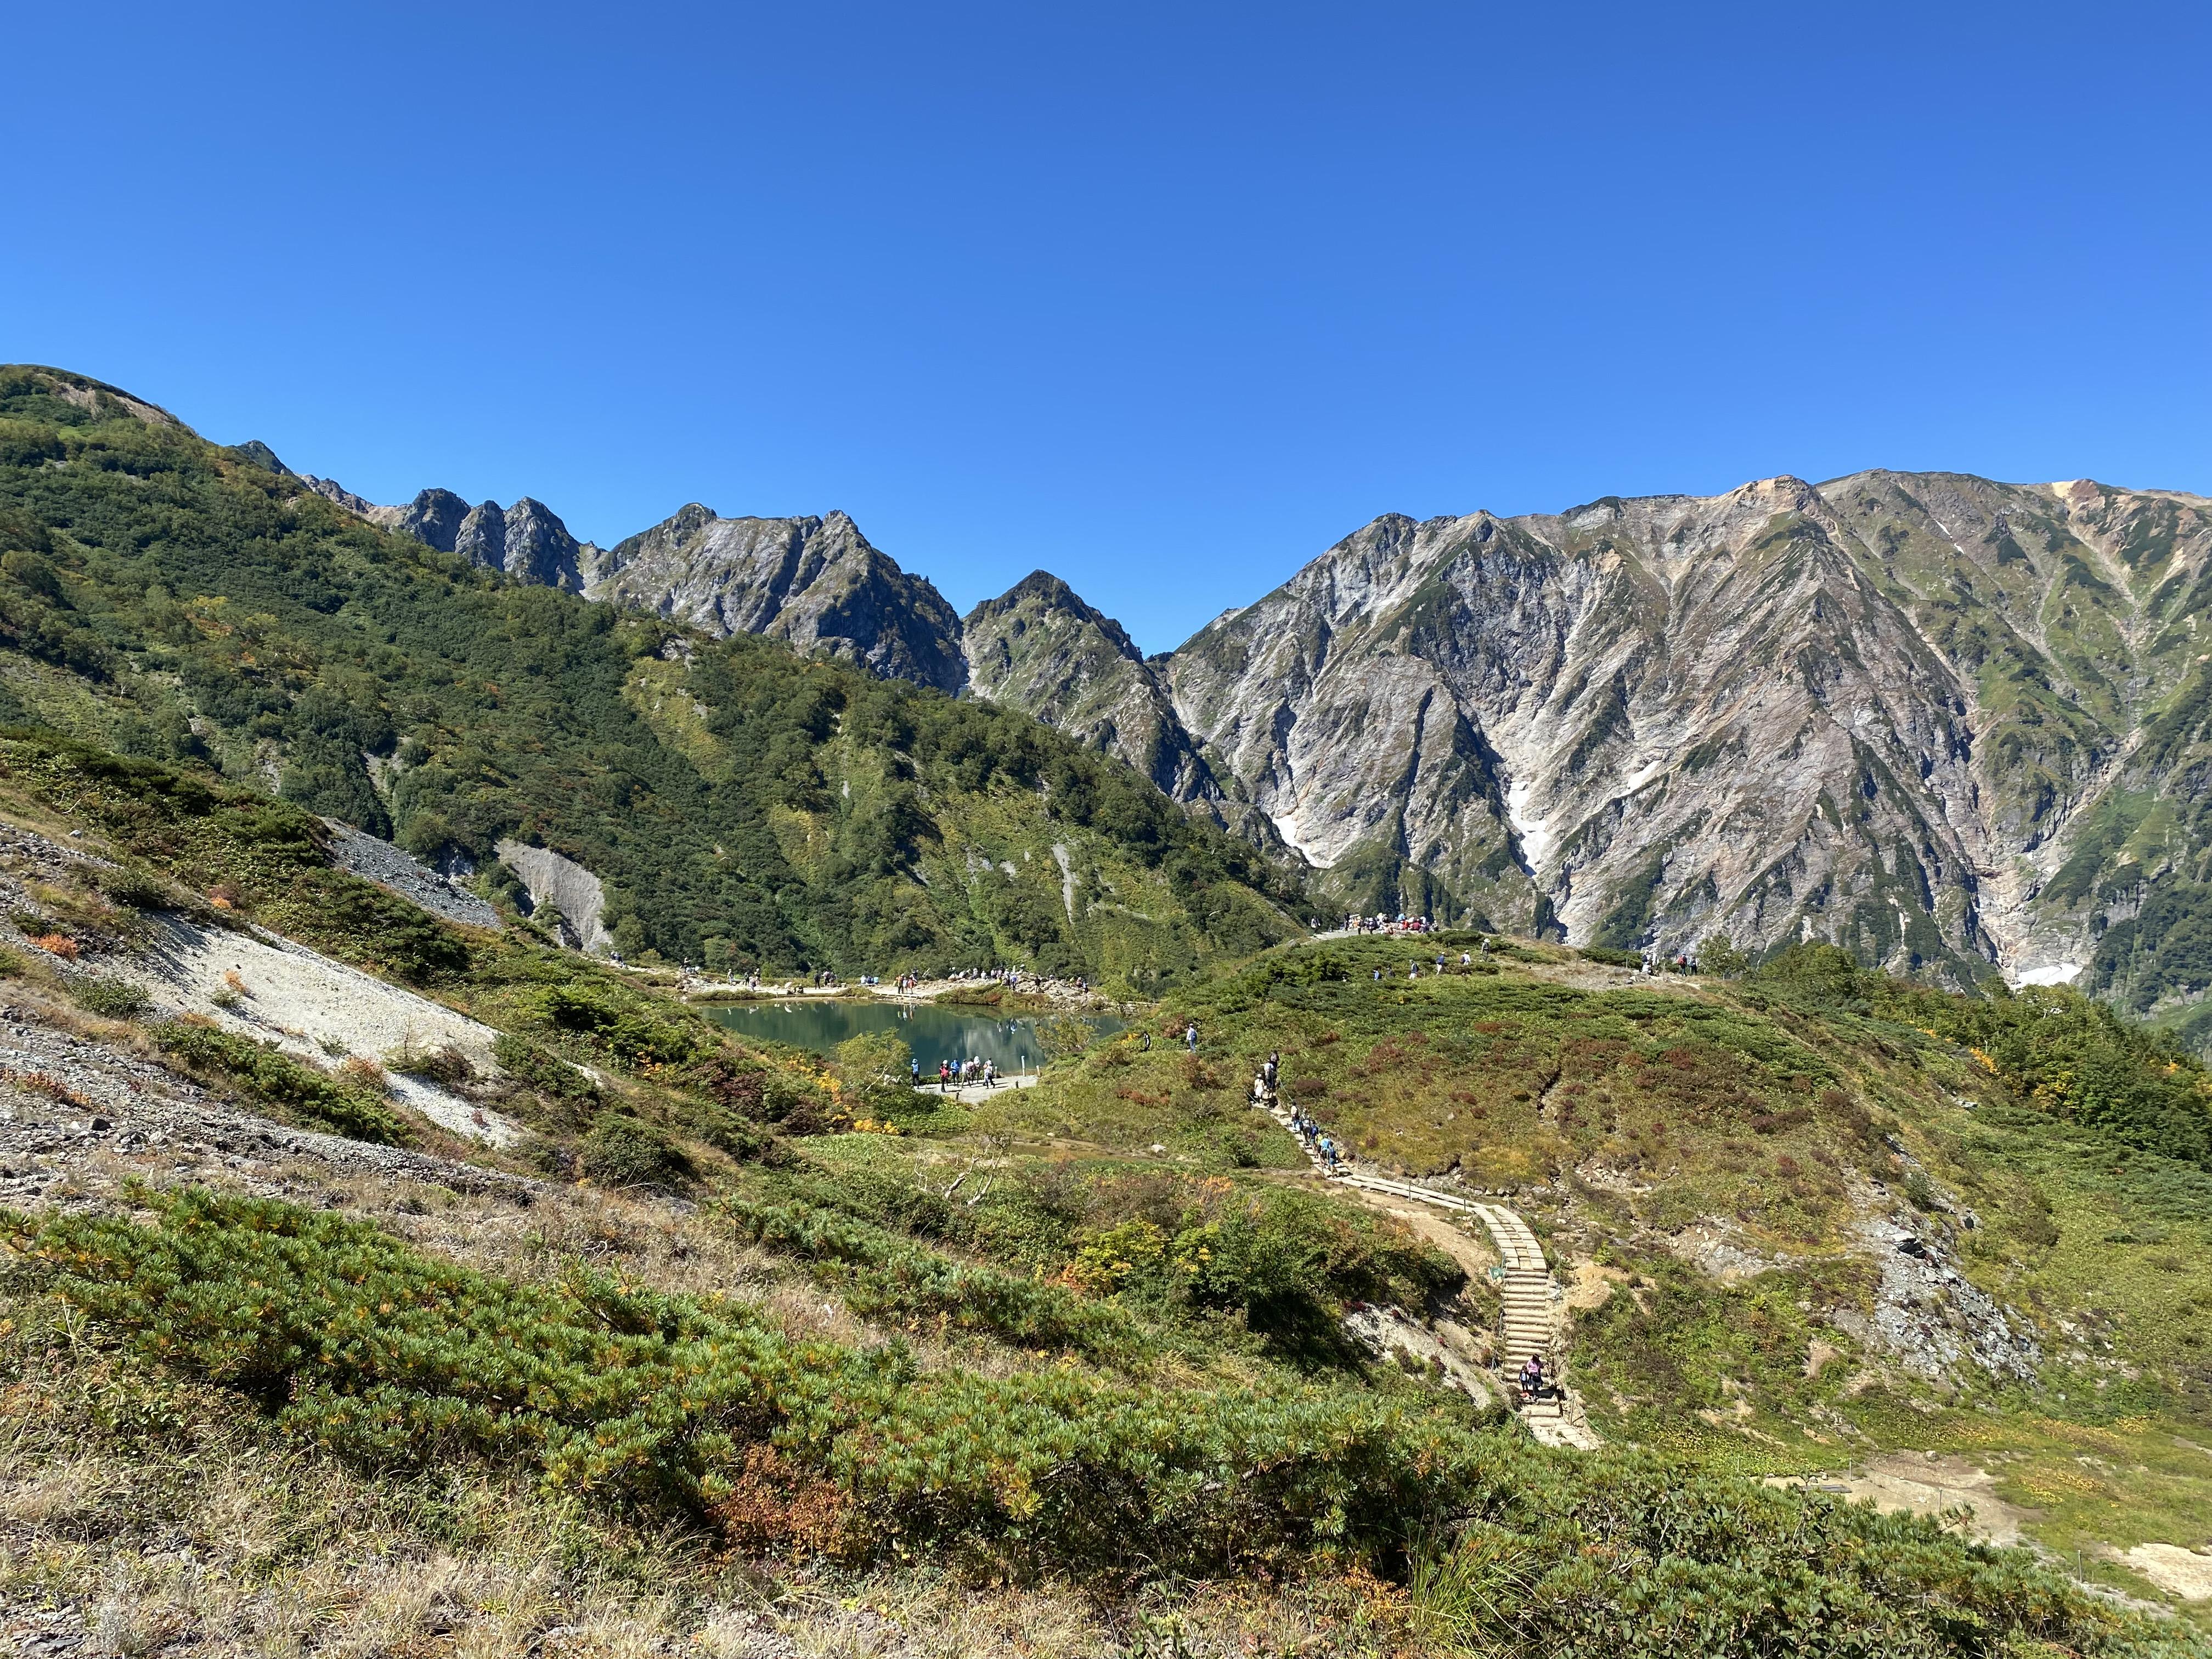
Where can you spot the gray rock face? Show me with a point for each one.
(1932, 718)
(400, 872)
(434, 516)
(1039, 649)
(576, 895)
(816, 582)
(1042, 650)
(331, 491)
(1887, 712)
(526, 541)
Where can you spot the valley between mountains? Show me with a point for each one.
(398, 1256)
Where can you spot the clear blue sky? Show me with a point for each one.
(1165, 299)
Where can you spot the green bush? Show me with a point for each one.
(269, 1077)
(622, 1150)
(382, 1354)
(881, 1274)
(639, 1034)
(111, 999)
(548, 1073)
(1612, 958)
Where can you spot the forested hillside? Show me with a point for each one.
(746, 807)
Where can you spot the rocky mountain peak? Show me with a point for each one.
(526, 541)
(434, 516)
(1885, 710)
(1040, 594)
(817, 582)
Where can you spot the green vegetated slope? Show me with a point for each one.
(1725, 1171)
(614, 1077)
(705, 1414)
(1089, 1361)
(747, 808)
(1105, 1341)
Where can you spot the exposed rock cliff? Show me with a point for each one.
(434, 516)
(816, 582)
(1901, 712)
(526, 541)
(1039, 647)
(1935, 719)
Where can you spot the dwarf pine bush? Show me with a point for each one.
(382, 1354)
(268, 1076)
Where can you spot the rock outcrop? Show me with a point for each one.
(575, 895)
(526, 541)
(434, 516)
(816, 582)
(1042, 650)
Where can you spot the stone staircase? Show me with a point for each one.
(1529, 1322)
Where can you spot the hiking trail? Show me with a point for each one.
(1530, 1322)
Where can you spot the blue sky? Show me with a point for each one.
(1165, 299)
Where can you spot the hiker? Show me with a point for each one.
(944, 1075)
(1268, 1070)
(915, 1066)
(1145, 1046)
(990, 1073)
(1532, 1376)
(1190, 1037)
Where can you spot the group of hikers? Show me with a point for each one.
(1380, 923)
(960, 1075)
(1531, 1383)
(1316, 1141)
(824, 979)
(1017, 979)
(1442, 964)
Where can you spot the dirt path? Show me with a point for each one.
(1925, 1484)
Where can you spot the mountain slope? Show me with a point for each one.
(1936, 720)
(743, 806)
(1042, 650)
(1949, 723)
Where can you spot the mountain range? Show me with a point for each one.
(431, 675)
(1951, 724)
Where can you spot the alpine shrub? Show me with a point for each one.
(366, 1346)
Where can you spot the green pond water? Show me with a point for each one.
(932, 1033)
